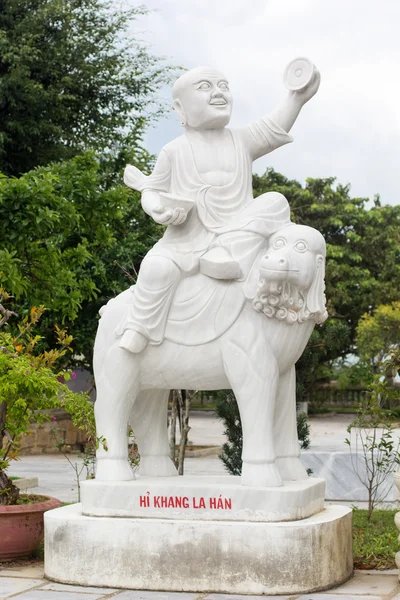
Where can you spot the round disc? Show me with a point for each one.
(298, 73)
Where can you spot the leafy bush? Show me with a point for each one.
(31, 384)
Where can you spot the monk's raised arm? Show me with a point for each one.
(286, 113)
(272, 131)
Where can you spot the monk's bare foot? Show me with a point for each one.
(133, 341)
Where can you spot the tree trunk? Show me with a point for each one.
(9, 493)
(180, 407)
(3, 411)
(186, 400)
(172, 427)
(371, 502)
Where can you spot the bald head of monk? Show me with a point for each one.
(202, 99)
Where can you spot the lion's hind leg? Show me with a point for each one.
(149, 421)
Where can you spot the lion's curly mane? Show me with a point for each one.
(283, 301)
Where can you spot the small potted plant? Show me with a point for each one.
(31, 384)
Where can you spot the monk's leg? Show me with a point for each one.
(152, 297)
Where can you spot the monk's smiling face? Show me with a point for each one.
(202, 99)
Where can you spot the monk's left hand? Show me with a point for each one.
(304, 95)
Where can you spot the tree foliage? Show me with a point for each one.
(72, 77)
(378, 342)
(67, 237)
(31, 383)
(378, 333)
(363, 260)
(374, 448)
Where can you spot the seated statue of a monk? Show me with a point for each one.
(201, 189)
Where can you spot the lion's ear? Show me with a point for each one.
(316, 297)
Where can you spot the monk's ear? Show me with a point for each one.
(316, 296)
(177, 106)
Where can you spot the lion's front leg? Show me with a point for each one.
(285, 429)
(117, 388)
(253, 374)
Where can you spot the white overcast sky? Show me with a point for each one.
(350, 129)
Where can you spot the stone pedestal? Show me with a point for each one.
(199, 556)
(202, 498)
(200, 535)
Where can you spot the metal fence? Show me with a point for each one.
(333, 396)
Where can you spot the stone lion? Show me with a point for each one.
(248, 340)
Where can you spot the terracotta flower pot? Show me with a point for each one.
(22, 528)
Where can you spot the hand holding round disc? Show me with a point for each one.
(298, 74)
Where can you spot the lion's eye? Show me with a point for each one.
(301, 246)
(204, 86)
(279, 243)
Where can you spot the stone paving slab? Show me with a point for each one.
(137, 595)
(366, 583)
(63, 587)
(335, 596)
(238, 597)
(50, 595)
(11, 585)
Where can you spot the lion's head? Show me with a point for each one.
(291, 286)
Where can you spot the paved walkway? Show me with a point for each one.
(29, 584)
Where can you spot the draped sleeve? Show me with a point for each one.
(159, 180)
(263, 136)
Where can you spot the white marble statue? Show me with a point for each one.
(213, 221)
(226, 299)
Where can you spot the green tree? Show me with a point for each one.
(69, 238)
(31, 383)
(363, 261)
(72, 77)
(378, 342)
(378, 333)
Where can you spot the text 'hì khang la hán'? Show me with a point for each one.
(196, 502)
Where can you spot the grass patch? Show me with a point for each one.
(38, 553)
(375, 543)
(30, 499)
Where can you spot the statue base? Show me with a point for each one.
(206, 498)
(235, 557)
